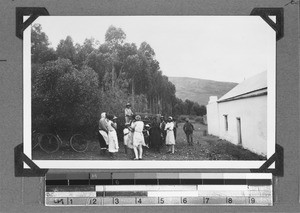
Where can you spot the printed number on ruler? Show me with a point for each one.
(251, 200)
(116, 200)
(139, 200)
(229, 200)
(161, 200)
(93, 201)
(206, 200)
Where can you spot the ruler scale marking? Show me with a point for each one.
(148, 189)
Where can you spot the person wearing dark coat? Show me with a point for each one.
(162, 128)
(155, 135)
(188, 129)
(175, 127)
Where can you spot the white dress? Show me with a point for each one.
(113, 145)
(126, 136)
(103, 123)
(130, 136)
(138, 137)
(170, 138)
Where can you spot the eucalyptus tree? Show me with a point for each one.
(66, 49)
(40, 50)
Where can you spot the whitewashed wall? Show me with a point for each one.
(253, 115)
(212, 116)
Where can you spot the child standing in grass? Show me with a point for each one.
(170, 137)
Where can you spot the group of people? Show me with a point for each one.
(137, 134)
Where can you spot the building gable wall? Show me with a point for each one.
(253, 116)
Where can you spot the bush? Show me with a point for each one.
(199, 119)
(182, 118)
(192, 118)
(64, 97)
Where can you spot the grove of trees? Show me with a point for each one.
(73, 84)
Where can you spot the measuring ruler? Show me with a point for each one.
(116, 189)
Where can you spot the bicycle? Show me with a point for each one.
(51, 143)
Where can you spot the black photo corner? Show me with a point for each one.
(35, 12)
(231, 163)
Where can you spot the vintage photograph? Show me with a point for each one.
(181, 90)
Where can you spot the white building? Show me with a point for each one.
(240, 116)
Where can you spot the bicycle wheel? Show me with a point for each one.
(78, 143)
(35, 140)
(49, 143)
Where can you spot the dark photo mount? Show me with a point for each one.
(264, 13)
(20, 157)
(277, 157)
(32, 12)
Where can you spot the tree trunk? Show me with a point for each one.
(148, 104)
(157, 104)
(154, 104)
(132, 92)
(113, 76)
(151, 105)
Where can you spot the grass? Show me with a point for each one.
(205, 148)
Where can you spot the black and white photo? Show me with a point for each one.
(149, 92)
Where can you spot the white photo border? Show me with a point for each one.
(149, 165)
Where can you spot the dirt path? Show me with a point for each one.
(204, 148)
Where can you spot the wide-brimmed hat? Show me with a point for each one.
(128, 104)
(103, 114)
(170, 118)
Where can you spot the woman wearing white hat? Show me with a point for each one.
(170, 139)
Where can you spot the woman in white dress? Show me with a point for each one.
(126, 138)
(113, 145)
(170, 139)
(138, 138)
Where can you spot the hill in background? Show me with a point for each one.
(199, 90)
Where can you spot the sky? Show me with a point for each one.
(220, 48)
